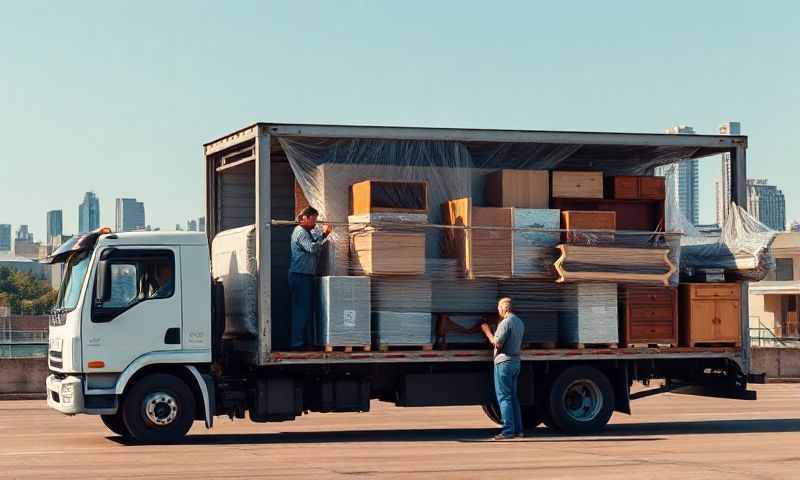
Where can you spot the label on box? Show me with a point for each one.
(349, 317)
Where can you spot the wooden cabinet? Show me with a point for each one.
(518, 188)
(710, 314)
(577, 184)
(481, 252)
(371, 196)
(627, 187)
(641, 215)
(649, 316)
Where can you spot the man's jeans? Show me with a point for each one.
(505, 385)
(301, 287)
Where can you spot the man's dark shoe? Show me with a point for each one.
(502, 436)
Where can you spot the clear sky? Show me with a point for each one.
(118, 97)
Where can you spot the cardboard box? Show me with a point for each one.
(374, 252)
(343, 311)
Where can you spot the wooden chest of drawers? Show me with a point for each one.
(587, 220)
(710, 314)
(625, 187)
(649, 316)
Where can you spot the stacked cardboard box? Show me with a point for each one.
(590, 315)
(343, 311)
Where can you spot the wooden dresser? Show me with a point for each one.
(710, 314)
(649, 316)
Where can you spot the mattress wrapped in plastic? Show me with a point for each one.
(742, 249)
(234, 264)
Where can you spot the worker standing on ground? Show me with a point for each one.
(507, 341)
(306, 246)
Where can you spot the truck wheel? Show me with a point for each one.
(115, 424)
(581, 400)
(530, 415)
(159, 408)
(493, 412)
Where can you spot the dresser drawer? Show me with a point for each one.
(652, 331)
(654, 313)
(718, 290)
(646, 296)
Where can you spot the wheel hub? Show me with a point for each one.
(583, 400)
(160, 408)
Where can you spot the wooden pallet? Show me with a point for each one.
(651, 345)
(714, 344)
(582, 346)
(347, 348)
(386, 348)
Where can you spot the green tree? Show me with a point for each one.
(25, 293)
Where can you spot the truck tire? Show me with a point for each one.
(491, 411)
(116, 424)
(581, 400)
(159, 408)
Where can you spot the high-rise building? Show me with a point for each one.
(191, 225)
(5, 237)
(766, 203)
(23, 233)
(89, 213)
(129, 215)
(684, 181)
(55, 226)
(723, 186)
(24, 246)
(178, 227)
(201, 224)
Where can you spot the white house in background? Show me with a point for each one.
(774, 301)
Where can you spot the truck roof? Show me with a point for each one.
(154, 238)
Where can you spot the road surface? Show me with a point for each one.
(669, 436)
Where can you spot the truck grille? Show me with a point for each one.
(55, 358)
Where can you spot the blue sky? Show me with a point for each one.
(118, 97)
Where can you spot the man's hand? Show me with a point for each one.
(488, 332)
(326, 230)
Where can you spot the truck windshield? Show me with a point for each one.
(76, 269)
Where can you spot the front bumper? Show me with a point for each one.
(65, 394)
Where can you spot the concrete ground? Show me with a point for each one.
(669, 436)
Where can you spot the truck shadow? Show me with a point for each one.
(627, 432)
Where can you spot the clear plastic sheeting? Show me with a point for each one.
(742, 249)
(234, 264)
(591, 316)
(344, 310)
(400, 329)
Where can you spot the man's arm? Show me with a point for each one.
(310, 245)
(498, 337)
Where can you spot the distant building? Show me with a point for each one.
(685, 181)
(129, 215)
(766, 203)
(27, 248)
(5, 237)
(191, 225)
(89, 213)
(201, 224)
(723, 186)
(774, 301)
(178, 227)
(795, 226)
(23, 233)
(22, 264)
(55, 226)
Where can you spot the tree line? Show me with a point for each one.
(24, 293)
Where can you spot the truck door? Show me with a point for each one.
(141, 310)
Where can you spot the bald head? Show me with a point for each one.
(504, 306)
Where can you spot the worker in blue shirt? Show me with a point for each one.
(306, 245)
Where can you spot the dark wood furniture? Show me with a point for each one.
(648, 316)
(518, 188)
(625, 187)
(371, 196)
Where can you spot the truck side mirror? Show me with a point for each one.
(103, 283)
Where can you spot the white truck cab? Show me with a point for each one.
(133, 308)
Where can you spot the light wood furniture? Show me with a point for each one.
(518, 188)
(649, 316)
(625, 187)
(371, 196)
(482, 251)
(375, 252)
(710, 314)
(577, 184)
(599, 263)
(640, 215)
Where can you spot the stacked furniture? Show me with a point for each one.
(649, 316)
(518, 188)
(710, 314)
(537, 304)
(343, 311)
(387, 242)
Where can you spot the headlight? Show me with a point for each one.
(67, 392)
